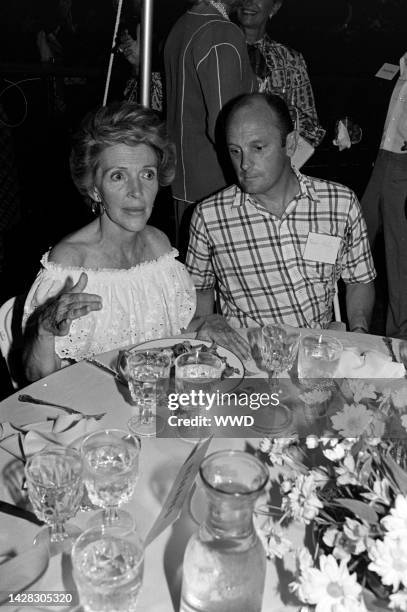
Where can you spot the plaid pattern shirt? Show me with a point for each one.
(283, 70)
(255, 260)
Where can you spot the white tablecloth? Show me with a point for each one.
(86, 388)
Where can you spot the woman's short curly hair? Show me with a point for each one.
(119, 123)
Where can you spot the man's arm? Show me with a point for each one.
(224, 72)
(302, 98)
(359, 305)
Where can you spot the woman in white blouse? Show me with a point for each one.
(116, 281)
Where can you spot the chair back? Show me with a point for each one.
(11, 337)
(337, 310)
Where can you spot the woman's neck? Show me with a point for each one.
(125, 248)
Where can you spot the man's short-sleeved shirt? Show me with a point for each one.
(256, 260)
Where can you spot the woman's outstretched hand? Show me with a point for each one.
(56, 316)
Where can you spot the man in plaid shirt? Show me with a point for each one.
(273, 247)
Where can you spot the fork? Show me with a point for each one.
(33, 400)
(389, 345)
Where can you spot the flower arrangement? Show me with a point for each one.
(349, 487)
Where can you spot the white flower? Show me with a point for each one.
(347, 473)
(398, 601)
(334, 454)
(312, 442)
(338, 542)
(302, 502)
(286, 486)
(358, 534)
(265, 445)
(277, 451)
(330, 588)
(320, 477)
(353, 420)
(380, 493)
(396, 522)
(389, 561)
(304, 559)
(276, 544)
(328, 440)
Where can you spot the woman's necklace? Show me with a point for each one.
(219, 6)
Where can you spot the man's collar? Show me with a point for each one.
(306, 191)
(306, 188)
(220, 7)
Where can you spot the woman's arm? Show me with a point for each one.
(39, 356)
(53, 319)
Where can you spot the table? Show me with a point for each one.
(91, 390)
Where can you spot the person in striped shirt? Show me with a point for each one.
(272, 248)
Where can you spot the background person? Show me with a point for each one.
(135, 288)
(279, 68)
(273, 246)
(206, 65)
(384, 204)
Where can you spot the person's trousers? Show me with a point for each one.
(384, 205)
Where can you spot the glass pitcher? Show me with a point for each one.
(225, 563)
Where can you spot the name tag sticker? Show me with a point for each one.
(387, 71)
(322, 248)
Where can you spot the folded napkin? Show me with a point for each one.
(371, 364)
(24, 440)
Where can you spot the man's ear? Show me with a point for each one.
(291, 142)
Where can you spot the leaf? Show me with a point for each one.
(398, 475)
(359, 509)
(366, 469)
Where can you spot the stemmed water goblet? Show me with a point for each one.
(147, 373)
(197, 374)
(55, 486)
(110, 462)
(278, 349)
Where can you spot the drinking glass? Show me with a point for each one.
(110, 462)
(108, 569)
(148, 379)
(197, 373)
(279, 349)
(318, 358)
(55, 487)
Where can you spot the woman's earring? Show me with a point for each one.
(97, 208)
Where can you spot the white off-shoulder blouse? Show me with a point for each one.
(152, 300)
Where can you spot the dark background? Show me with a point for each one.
(344, 43)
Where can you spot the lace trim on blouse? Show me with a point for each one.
(149, 301)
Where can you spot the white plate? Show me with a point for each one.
(232, 359)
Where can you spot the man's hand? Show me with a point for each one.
(216, 329)
(56, 316)
(130, 47)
